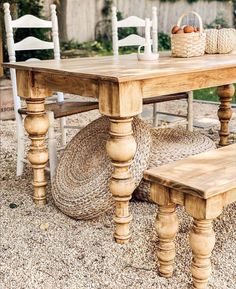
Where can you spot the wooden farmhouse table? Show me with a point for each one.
(119, 84)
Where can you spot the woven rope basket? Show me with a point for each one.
(170, 145)
(188, 44)
(80, 187)
(220, 40)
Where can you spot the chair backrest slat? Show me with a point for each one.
(30, 21)
(132, 21)
(32, 43)
(131, 40)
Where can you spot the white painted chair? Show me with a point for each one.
(132, 39)
(136, 40)
(60, 109)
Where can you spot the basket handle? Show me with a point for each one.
(194, 13)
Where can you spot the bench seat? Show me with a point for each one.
(203, 175)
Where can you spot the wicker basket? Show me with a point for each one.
(189, 44)
(220, 40)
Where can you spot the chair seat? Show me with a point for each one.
(63, 109)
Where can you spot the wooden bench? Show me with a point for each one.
(204, 184)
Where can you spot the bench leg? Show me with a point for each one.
(167, 227)
(202, 241)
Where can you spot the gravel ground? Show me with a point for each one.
(44, 249)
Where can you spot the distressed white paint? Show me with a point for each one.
(115, 45)
(131, 40)
(131, 21)
(55, 35)
(30, 21)
(32, 43)
(155, 29)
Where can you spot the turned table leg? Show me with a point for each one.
(202, 241)
(167, 227)
(225, 93)
(121, 148)
(36, 124)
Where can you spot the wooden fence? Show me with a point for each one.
(78, 18)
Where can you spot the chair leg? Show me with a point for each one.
(167, 227)
(202, 241)
(63, 131)
(155, 114)
(190, 111)
(20, 147)
(52, 145)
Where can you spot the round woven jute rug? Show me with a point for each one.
(168, 145)
(80, 188)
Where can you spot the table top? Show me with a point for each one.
(127, 67)
(206, 174)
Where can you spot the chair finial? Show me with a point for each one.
(114, 10)
(53, 8)
(6, 6)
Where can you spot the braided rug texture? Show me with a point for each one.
(168, 145)
(80, 187)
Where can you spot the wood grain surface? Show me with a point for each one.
(204, 184)
(205, 175)
(128, 68)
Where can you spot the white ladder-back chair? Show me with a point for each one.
(136, 40)
(132, 39)
(54, 110)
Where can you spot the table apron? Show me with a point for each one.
(187, 82)
(150, 87)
